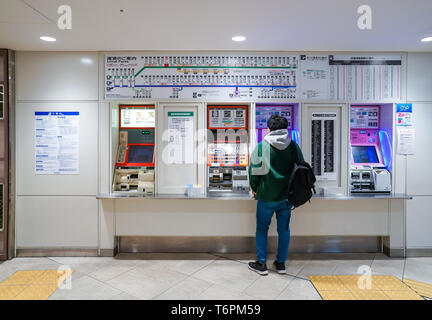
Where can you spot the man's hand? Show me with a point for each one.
(254, 194)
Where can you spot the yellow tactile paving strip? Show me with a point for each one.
(32, 284)
(342, 287)
(423, 289)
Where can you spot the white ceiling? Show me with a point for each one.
(269, 25)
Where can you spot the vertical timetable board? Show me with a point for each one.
(364, 117)
(201, 77)
(324, 140)
(227, 117)
(365, 77)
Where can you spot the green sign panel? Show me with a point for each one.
(180, 114)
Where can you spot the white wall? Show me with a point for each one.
(63, 212)
(419, 173)
(57, 211)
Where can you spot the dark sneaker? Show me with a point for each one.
(280, 267)
(258, 267)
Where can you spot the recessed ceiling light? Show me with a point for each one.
(427, 39)
(46, 38)
(238, 38)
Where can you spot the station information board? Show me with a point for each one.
(247, 77)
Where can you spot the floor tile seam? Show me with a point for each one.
(137, 266)
(270, 270)
(216, 284)
(109, 285)
(177, 283)
(104, 281)
(403, 272)
(187, 277)
(286, 286)
(190, 276)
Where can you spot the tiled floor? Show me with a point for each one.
(209, 276)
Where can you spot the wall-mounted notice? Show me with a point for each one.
(404, 115)
(314, 77)
(181, 137)
(56, 142)
(201, 77)
(405, 140)
(405, 129)
(325, 135)
(365, 77)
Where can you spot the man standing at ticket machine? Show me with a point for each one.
(270, 168)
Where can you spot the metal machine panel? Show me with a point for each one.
(227, 148)
(368, 173)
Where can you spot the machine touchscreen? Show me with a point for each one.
(365, 154)
(140, 154)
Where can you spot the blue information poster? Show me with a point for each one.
(56, 142)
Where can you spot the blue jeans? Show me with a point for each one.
(265, 210)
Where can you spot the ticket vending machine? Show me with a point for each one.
(135, 162)
(264, 111)
(370, 148)
(228, 148)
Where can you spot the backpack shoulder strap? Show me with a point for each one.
(294, 151)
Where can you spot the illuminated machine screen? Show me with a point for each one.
(263, 113)
(140, 154)
(365, 154)
(134, 117)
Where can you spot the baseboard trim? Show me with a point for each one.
(396, 253)
(298, 244)
(56, 252)
(107, 253)
(419, 252)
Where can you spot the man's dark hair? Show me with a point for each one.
(276, 122)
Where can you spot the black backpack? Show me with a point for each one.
(301, 182)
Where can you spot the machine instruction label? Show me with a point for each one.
(181, 146)
(324, 145)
